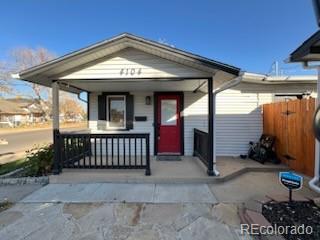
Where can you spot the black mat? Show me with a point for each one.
(168, 158)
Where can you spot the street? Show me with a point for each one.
(24, 140)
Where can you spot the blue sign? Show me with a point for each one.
(291, 180)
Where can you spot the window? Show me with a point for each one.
(116, 112)
(169, 112)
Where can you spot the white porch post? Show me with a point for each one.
(55, 126)
(215, 171)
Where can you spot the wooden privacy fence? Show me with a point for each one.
(291, 123)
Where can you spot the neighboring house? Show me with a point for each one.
(36, 109)
(74, 118)
(17, 111)
(11, 114)
(146, 98)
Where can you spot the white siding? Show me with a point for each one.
(195, 116)
(239, 117)
(140, 109)
(238, 121)
(132, 63)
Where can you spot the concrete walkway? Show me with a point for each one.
(14, 193)
(122, 192)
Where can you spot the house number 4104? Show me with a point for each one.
(130, 71)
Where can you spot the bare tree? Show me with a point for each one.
(24, 58)
(5, 85)
(71, 109)
(20, 59)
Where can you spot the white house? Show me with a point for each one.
(149, 99)
(17, 111)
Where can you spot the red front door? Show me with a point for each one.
(169, 124)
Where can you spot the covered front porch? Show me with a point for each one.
(99, 148)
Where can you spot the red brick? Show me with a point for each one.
(242, 217)
(279, 197)
(256, 218)
(299, 198)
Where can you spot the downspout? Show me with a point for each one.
(234, 82)
(313, 182)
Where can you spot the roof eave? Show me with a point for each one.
(301, 53)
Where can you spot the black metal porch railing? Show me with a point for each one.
(200, 148)
(108, 151)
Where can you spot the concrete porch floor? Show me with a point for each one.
(188, 170)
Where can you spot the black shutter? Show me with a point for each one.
(102, 107)
(129, 111)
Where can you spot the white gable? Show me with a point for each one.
(133, 63)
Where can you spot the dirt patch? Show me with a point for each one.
(136, 215)
(78, 210)
(227, 213)
(162, 213)
(128, 213)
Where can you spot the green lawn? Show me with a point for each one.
(8, 167)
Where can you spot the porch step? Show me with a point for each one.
(137, 176)
(118, 176)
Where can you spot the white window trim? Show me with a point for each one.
(125, 113)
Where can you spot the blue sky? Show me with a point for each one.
(249, 34)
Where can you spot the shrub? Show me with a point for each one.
(39, 161)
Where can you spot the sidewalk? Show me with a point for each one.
(14, 193)
(122, 192)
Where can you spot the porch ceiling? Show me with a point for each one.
(139, 85)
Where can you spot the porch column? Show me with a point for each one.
(211, 113)
(55, 126)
